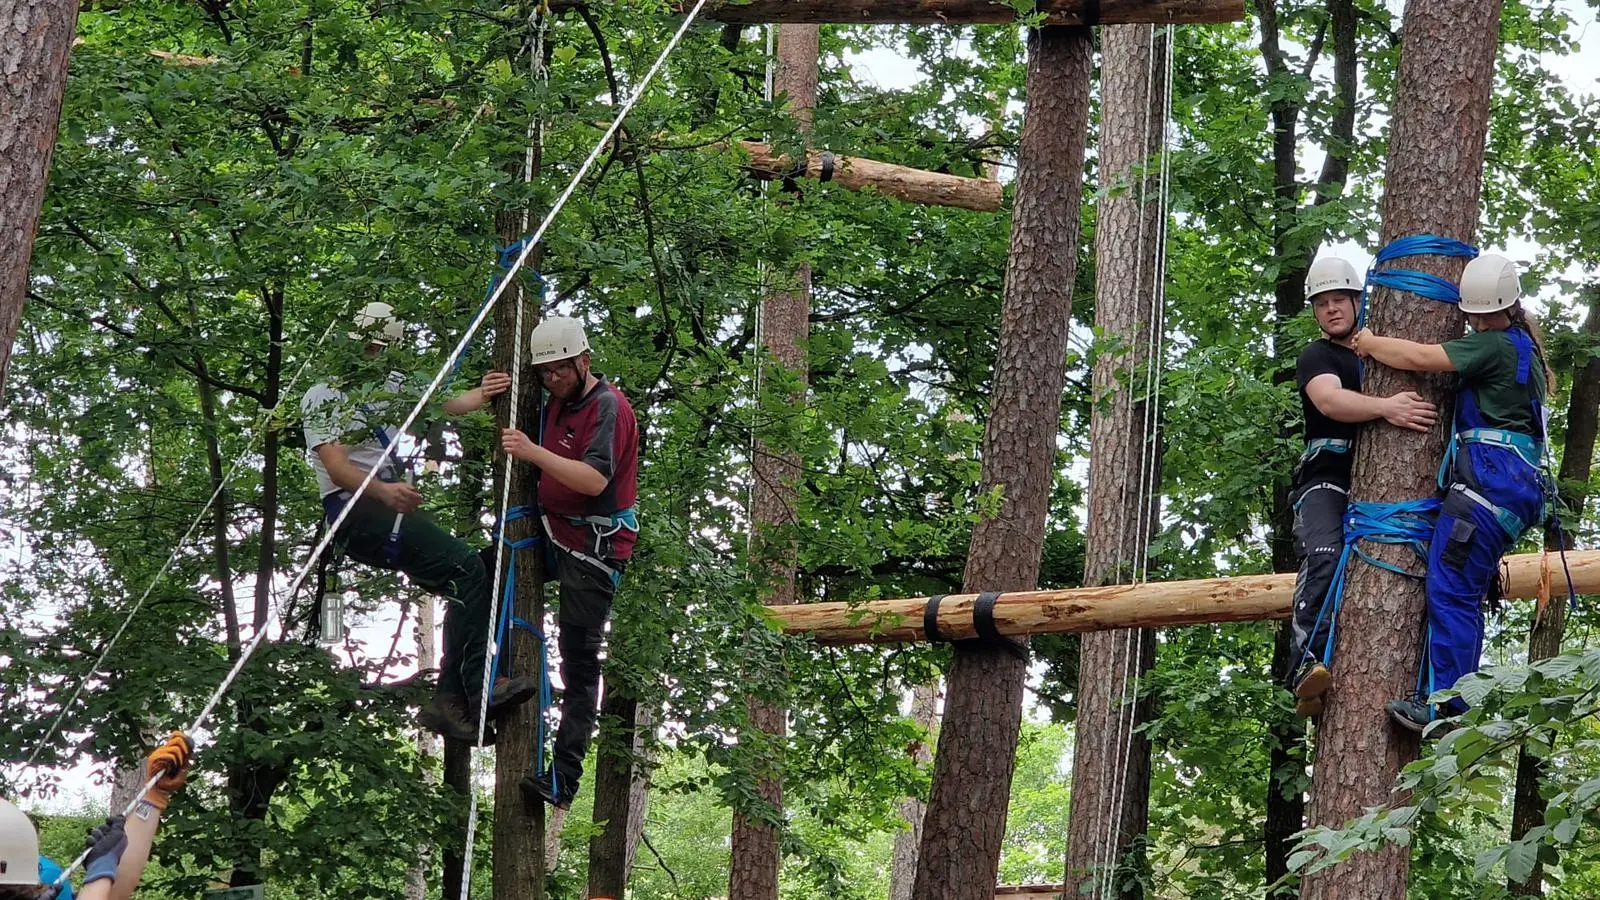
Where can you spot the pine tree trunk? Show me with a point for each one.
(965, 822)
(753, 869)
(1111, 759)
(1549, 623)
(903, 866)
(613, 782)
(427, 745)
(35, 42)
(1432, 186)
(519, 863)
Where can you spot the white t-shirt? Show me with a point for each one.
(330, 418)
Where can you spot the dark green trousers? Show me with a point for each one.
(439, 563)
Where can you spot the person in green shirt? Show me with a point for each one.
(1492, 476)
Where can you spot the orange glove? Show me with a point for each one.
(172, 760)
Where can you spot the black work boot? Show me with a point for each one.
(1310, 683)
(539, 789)
(447, 715)
(511, 692)
(1413, 714)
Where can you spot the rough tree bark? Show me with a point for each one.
(965, 822)
(1294, 244)
(616, 761)
(753, 870)
(1550, 620)
(1432, 186)
(519, 863)
(903, 866)
(427, 744)
(35, 42)
(1111, 758)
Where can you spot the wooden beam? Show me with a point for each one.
(1029, 891)
(1158, 604)
(900, 182)
(961, 12)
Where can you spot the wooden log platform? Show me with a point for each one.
(900, 182)
(1030, 892)
(1156, 604)
(960, 12)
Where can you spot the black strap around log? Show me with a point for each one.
(983, 616)
(826, 175)
(1091, 12)
(930, 619)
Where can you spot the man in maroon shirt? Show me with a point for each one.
(588, 461)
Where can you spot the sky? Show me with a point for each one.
(84, 787)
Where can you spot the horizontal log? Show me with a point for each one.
(960, 12)
(901, 182)
(177, 59)
(1156, 604)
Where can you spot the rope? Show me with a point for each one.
(227, 478)
(411, 418)
(1149, 458)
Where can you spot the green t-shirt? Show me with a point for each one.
(1487, 363)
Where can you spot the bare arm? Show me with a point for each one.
(1406, 409)
(1399, 353)
(575, 474)
(494, 383)
(400, 497)
(141, 831)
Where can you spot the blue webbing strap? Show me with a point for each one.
(1421, 283)
(1409, 523)
(508, 620)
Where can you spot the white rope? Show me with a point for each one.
(438, 379)
(491, 647)
(1149, 461)
(227, 478)
(758, 336)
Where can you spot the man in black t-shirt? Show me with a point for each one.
(1329, 376)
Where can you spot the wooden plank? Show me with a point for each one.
(901, 182)
(960, 12)
(1029, 891)
(1152, 605)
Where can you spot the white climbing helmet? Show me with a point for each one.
(1330, 273)
(556, 338)
(376, 324)
(1489, 284)
(19, 847)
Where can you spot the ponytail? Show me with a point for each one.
(1521, 319)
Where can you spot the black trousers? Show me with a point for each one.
(586, 595)
(1318, 540)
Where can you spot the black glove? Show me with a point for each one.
(106, 843)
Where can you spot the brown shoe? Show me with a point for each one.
(447, 715)
(510, 693)
(1310, 684)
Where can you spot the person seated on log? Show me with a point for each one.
(117, 850)
(387, 529)
(1492, 478)
(1329, 377)
(588, 462)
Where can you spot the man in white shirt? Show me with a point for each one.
(387, 529)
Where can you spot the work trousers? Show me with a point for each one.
(1319, 509)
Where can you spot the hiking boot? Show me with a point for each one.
(1414, 715)
(538, 789)
(448, 715)
(511, 692)
(1310, 684)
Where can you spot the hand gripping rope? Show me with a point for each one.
(195, 729)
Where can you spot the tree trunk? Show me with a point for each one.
(1111, 760)
(1550, 621)
(220, 507)
(615, 761)
(1286, 762)
(961, 12)
(903, 867)
(965, 822)
(644, 723)
(458, 778)
(753, 870)
(35, 42)
(267, 556)
(1432, 185)
(519, 864)
(428, 745)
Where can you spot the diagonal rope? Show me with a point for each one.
(288, 390)
(438, 379)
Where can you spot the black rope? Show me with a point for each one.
(826, 175)
(1091, 12)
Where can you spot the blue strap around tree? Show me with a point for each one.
(509, 619)
(1409, 523)
(1420, 283)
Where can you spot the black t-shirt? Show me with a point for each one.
(1324, 357)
